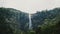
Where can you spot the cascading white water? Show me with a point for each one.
(30, 22)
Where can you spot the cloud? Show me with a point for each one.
(32, 5)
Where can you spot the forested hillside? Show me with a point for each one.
(14, 21)
(47, 21)
(40, 17)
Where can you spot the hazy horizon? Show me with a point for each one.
(30, 6)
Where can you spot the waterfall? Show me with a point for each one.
(30, 22)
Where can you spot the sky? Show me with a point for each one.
(30, 6)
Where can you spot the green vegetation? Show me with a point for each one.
(13, 21)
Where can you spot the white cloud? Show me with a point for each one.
(32, 5)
